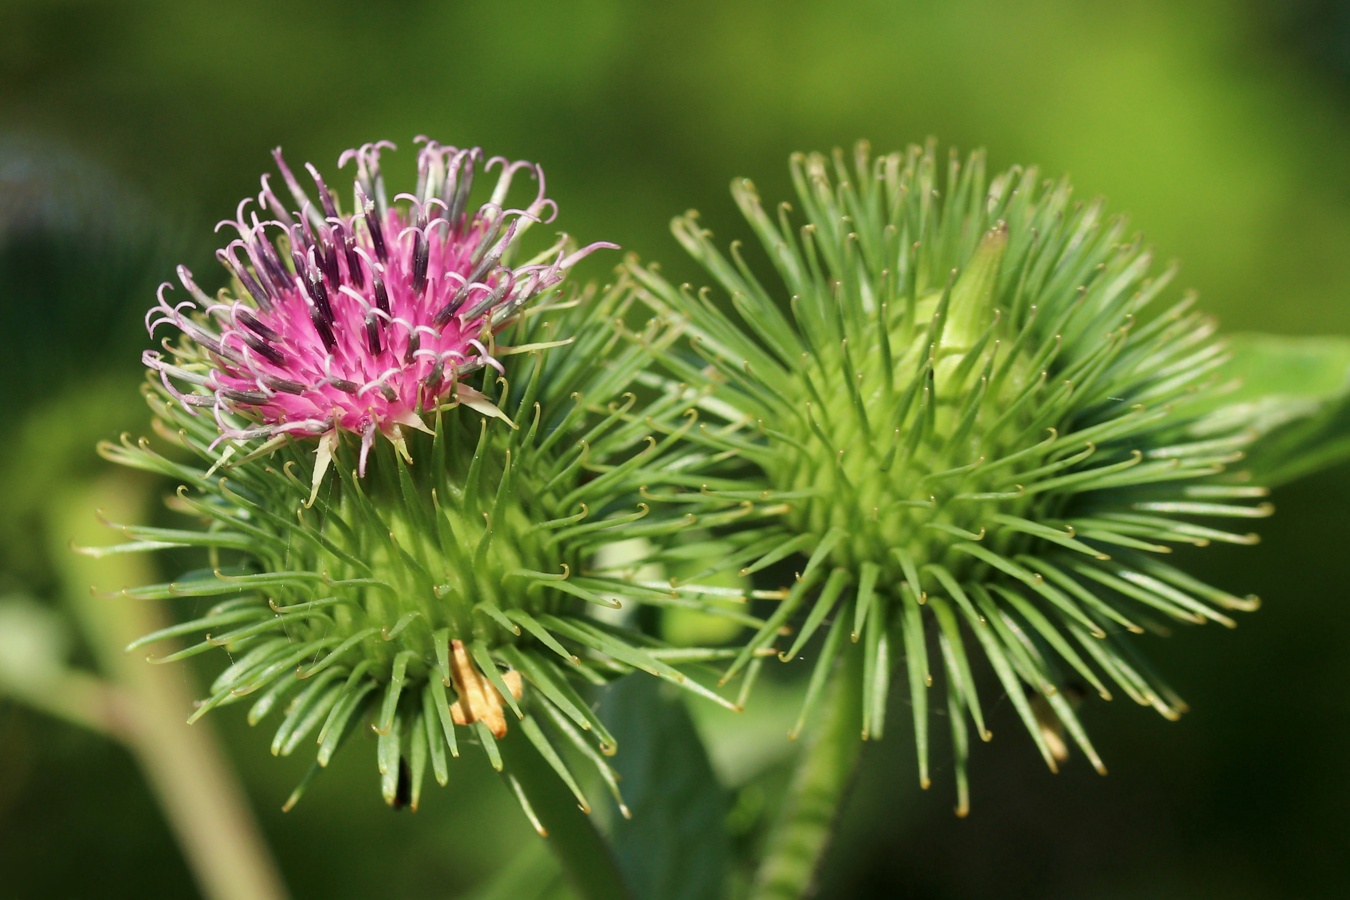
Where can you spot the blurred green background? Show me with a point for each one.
(127, 129)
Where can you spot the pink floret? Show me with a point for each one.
(359, 322)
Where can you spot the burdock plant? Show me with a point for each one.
(984, 421)
(432, 482)
(407, 451)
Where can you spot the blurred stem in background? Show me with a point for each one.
(144, 708)
(824, 771)
(77, 250)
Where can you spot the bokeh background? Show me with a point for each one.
(127, 129)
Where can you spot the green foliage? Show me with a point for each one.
(678, 811)
(1294, 393)
(1204, 120)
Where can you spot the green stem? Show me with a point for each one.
(570, 833)
(201, 799)
(79, 698)
(824, 772)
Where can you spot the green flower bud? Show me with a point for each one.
(983, 433)
(445, 596)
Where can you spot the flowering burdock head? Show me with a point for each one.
(359, 322)
(446, 602)
(986, 433)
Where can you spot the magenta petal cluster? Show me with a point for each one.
(359, 321)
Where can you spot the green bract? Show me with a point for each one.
(983, 431)
(443, 600)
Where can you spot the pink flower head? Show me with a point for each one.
(359, 322)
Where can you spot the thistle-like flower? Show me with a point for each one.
(984, 434)
(446, 601)
(359, 322)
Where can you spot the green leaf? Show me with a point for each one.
(532, 875)
(570, 833)
(676, 846)
(1295, 394)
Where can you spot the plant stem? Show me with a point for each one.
(78, 698)
(201, 799)
(825, 769)
(571, 834)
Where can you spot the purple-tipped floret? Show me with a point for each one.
(358, 322)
